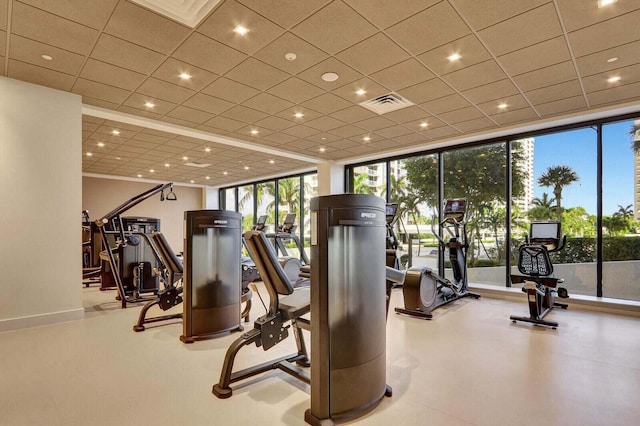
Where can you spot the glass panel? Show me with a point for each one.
(370, 179)
(479, 175)
(265, 194)
(245, 206)
(289, 203)
(414, 186)
(620, 210)
(310, 191)
(564, 188)
(230, 199)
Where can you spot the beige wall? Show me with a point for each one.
(40, 193)
(100, 196)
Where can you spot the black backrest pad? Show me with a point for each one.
(534, 260)
(170, 259)
(266, 261)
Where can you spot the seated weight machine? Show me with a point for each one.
(535, 265)
(422, 296)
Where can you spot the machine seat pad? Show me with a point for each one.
(296, 304)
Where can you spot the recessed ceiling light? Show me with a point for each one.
(185, 76)
(272, 162)
(424, 124)
(207, 177)
(89, 154)
(613, 79)
(254, 132)
(322, 149)
(149, 104)
(185, 158)
(152, 171)
(167, 164)
(603, 3)
(207, 149)
(118, 158)
(330, 76)
(366, 139)
(290, 56)
(139, 176)
(101, 144)
(298, 115)
(612, 59)
(115, 132)
(225, 173)
(503, 105)
(192, 181)
(46, 57)
(454, 57)
(361, 92)
(323, 138)
(241, 30)
(246, 167)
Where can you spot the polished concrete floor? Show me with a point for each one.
(468, 366)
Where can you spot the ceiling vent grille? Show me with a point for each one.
(386, 103)
(196, 164)
(188, 12)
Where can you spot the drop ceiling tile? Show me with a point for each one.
(372, 89)
(230, 90)
(306, 54)
(111, 75)
(627, 92)
(408, 114)
(513, 102)
(268, 103)
(25, 50)
(606, 35)
(491, 91)
(190, 114)
(411, 139)
(4, 5)
(145, 28)
(403, 74)
(346, 74)
(50, 29)
(137, 111)
(295, 90)
(562, 106)
(3, 44)
(445, 104)
(334, 28)
(353, 113)
(460, 115)
(148, 136)
(526, 29)
(579, 14)
(375, 123)
(373, 54)
(326, 138)
(427, 91)
(256, 74)
(441, 132)
(289, 114)
(384, 13)
(393, 131)
(244, 114)
(599, 82)
(327, 103)
(244, 133)
(476, 124)
(597, 62)
(225, 123)
(138, 100)
(207, 103)
(515, 116)
(475, 75)
(343, 144)
(481, 14)
(126, 55)
(280, 138)
(285, 13)
(218, 60)
(548, 76)
(348, 131)
(142, 144)
(274, 123)
(92, 14)
(96, 90)
(324, 123)
(534, 57)
(300, 131)
(220, 24)
(161, 89)
(428, 29)
(469, 48)
(170, 70)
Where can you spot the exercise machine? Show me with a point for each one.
(296, 268)
(422, 296)
(535, 265)
(91, 246)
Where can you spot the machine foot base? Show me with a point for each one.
(138, 328)
(414, 313)
(222, 393)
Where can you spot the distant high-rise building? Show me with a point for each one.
(525, 148)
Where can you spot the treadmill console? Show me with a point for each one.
(455, 208)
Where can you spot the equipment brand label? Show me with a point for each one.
(221, 222)
(368, 215)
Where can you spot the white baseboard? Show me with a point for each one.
(42, 319)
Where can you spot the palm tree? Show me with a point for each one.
(409, 204)
(558, 177)
(361, 184)
(625, 212)
(542, 208)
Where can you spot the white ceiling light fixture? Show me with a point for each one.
(454, 57)
(298, 115)
(139, 176)
(361, 92)
(46, 57)
(290, 56)
(167, 164)
(207, 177)
(185, 76)
(115, 132)
(322, 149)
(185, 158)
(610, 60)
(88, 154)
(118, 158)
(424, 124)
(272, 162)
(101, 144)
(246, 167)
(239, 29)
(149, 104)
(192, 181)
(503, 105)
(366, 138)
(330, 76)
(225, 173)
(614, 79)
(604, 3)
(207, 149)
(152, 171)
(254, 132)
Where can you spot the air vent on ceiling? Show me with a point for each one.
(386, 103)
(196, 164)
(189, 12)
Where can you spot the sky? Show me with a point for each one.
(577, 149)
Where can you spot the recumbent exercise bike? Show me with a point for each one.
(535, 264)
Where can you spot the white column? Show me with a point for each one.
(210, 198)
(330, 178)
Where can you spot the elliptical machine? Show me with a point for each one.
(421, 297)
(535, 264)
